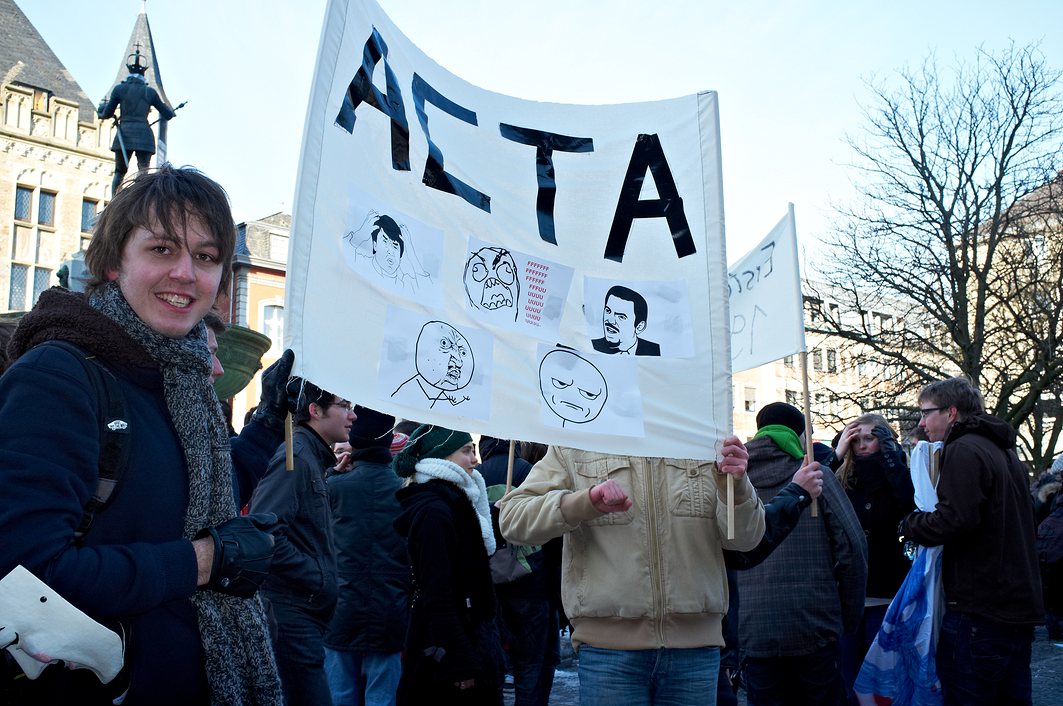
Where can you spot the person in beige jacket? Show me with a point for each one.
(643, 579)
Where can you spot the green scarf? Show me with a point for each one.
(784, 437)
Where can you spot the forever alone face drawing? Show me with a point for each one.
(444, 356)
(572, 387)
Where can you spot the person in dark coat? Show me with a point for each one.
(135, 98)
(984, 522)
(797, 603)
(452, 653)
(527, 620)
(159, 256)
(301, 588)
(263, 431)
(872, 468)
(363, 644)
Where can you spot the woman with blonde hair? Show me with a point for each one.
(871, 466)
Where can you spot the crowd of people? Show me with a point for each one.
(370, 560)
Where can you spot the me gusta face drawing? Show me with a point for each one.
(491, 279)
(444, 356)
(573, 388)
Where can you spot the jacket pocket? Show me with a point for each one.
(599, 470)
(691, 490)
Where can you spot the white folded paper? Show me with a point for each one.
(38, 627)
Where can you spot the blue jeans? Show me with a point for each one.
(662, 677)
(981, 662)
(352, 674)
(299, 649)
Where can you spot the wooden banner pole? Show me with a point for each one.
(809, 455)
(509, 466)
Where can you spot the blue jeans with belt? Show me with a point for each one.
(661, 677)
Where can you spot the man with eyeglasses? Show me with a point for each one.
(984, 520)
(302, 586)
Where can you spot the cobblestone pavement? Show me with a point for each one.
(1046, 667)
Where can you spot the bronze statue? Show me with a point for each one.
(136, 98)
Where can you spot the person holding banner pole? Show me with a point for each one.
(810, 591)
(644, 583)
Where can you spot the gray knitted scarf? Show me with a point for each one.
(240, 665)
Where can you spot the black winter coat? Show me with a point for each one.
(305, 565)
(452, 635)
(372, 612)
(882, 494)
(984, 520)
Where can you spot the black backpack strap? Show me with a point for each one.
(114, 434)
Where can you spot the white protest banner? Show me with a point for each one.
(767, 312)
(547, 272)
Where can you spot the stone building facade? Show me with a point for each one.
(55, 163)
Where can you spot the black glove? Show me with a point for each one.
(273, 403)
(243, 553)
(886, 443)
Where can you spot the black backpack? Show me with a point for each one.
(114, 433)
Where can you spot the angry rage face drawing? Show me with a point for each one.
(491, 281)
(444, 356)
(572, 387)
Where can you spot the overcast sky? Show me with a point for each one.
(790, 75)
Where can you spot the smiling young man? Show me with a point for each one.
(302, 586)
(984, 521)
(159, 256)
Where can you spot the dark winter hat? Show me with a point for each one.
(784, 414)
(370, 428)
(428, 441)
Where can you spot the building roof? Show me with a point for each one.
(26, 59)
(141, 36)
(254, 240)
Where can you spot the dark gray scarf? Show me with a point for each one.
(240, 665)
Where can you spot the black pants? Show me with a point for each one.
(809, 680)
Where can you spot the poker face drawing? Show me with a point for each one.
(445, 363)
(491, 281)
(573, 388)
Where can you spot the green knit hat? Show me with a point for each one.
(428, 441)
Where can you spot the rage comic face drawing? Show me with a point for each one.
(388, 245)
(572, 387)
(491, 281)
(444, 356)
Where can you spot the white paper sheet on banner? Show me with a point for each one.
(513, 290)
(767, 311)
(628, 194)
(666, 327)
